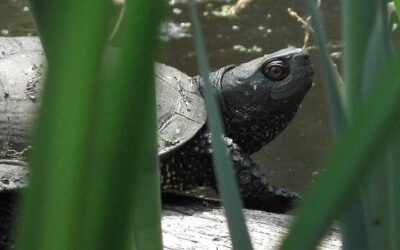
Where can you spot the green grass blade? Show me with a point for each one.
(376, 193)
(349, 165)
(51, 210)
(372, 206)
(125, 195)
(378, 52)
(223, 167)
(397, 4)
(356, 31)
(330, 74)
(393, 177)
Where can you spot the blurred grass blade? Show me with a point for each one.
(378, 52)
(356, 31)
(376, 195)
(226, 181)
(123, 208)
(371, 205)
(47, 22)
(51, 210)
(397, 4)
(331, 76)
(373, 126)
(393, 177)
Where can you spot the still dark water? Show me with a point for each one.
(293, 159)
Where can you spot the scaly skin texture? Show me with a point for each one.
(255, 109)
(192, 166)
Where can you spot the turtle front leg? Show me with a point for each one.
(254, 187)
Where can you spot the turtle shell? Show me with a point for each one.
(181, 109)
(21, 70)
(180, 106)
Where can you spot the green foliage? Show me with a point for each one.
(361, 174)
(95, 180)
(397, 4)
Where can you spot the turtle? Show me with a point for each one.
(257, 99)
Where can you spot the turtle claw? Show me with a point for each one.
(287, 201)
(254, 186)
(276, 200)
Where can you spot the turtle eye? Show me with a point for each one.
(276, 70)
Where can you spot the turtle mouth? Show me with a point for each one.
(300, 81)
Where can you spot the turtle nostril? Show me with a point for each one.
(303, 58)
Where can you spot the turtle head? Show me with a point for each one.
(262, 96)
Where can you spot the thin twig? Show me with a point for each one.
(239, 6)
(306, 24)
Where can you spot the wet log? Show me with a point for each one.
(187, 222)
(201, 226)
